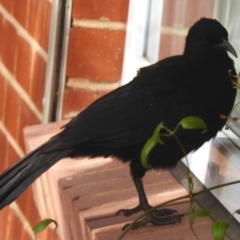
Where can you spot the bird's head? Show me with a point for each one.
(207, 38)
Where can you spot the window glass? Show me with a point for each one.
(177, 18)
(227, 12)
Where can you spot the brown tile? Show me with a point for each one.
(9, 39)
(102, 191)
(92, 9)
(37, 134)
(99, 230)
(92, 190)
(180, 231)
(95, 54)
(77, 99)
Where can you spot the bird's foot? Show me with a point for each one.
(129, 212)
(156, 213)
(158, 218)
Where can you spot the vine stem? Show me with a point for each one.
(190, 195)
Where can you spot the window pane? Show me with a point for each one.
(227, 12)
(178, 17)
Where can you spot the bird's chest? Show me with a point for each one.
(209, 92)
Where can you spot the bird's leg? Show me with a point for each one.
(157, 217)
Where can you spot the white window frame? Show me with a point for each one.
(137, 52)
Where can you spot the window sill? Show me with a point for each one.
(83, 196)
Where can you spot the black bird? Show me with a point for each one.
(197, 83)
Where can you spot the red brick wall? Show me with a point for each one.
(24, 29)
(94, 67)
(95, 54)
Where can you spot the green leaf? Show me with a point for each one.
(219, 230)
(149, 145)
(198, 213)
(193, 123)
(237, 211)
(157, 131)
(43, 224)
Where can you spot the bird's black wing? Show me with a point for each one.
(131, 112)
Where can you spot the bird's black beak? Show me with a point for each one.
(227, 46)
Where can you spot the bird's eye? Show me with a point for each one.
(205, 42)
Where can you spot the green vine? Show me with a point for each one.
(219, 227)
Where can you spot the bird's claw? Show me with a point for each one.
(163, 212)
(156, 213)
(129, 212)
(156, 220)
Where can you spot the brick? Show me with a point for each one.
(46, 25)
(25, 236)
(3, 152)
(3, 88)
(1, 30)
(11, 227)
(24, 201)
(38, 80)
(9, 40)
(27, 118)
(21, 11)
(30, 71)
(11, 155)
(77, 99)
(8, 5)
(25, 60)
(49, 234)
(4, 222)
(95, 53)
(38, 21)
(171, 45)
(95, 9)
(185, 13)
(16, 229)
(12, 112)
(35, 19)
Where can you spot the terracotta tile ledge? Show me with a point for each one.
(83, 196)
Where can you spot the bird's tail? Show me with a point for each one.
(17, 178)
